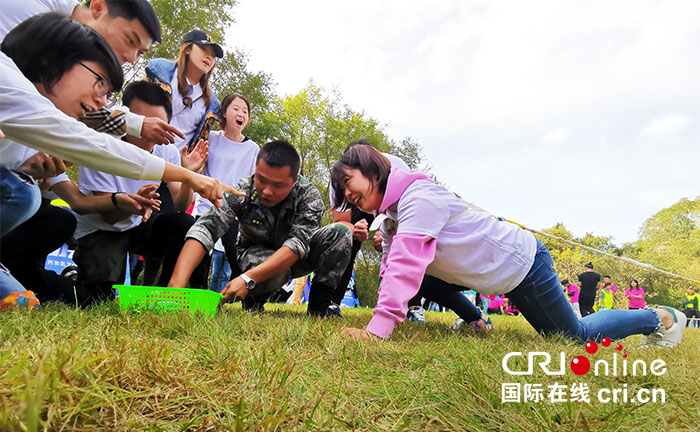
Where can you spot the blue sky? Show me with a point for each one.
(580, 112)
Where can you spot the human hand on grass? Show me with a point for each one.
(356, 333)
(235, 289)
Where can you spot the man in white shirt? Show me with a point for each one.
(32, 118)
(129, 27)
(105, 238)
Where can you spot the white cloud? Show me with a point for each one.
(666, 126)
(555, 137)
(480, 85)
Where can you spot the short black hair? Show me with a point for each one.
(46, 46)
(139, 9)
(148, 92)
(589, 265)
(607, 277)
(280, 153)
(368, 160)
(565, 282)
(360, 141)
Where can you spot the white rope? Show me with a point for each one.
(598, 251)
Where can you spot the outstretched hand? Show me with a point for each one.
(194, 160)
(142, 203)
(210, 188)
(157, 130)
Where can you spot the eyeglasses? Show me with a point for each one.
(102, 88)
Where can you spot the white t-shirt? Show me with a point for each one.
(90, 181)
(28, 118)
(474, 249)
(229, 161)
(394, 160)
(186, 120)
(16, 11)
(13, 154)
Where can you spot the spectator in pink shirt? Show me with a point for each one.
(635, 294)
(572, 291)
(496, 306)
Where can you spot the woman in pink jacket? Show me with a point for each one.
(431, 230)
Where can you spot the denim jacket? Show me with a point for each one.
(160, 71)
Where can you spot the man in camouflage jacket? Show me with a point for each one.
(279, 235)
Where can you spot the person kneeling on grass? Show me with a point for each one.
(105, 238)
(439, 234)
(279, 235)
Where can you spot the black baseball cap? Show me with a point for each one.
(202, 38)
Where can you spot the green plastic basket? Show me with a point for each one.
(138, 298)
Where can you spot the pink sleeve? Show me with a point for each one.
(627, 292)
(409, 256)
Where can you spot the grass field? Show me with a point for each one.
(65, 369)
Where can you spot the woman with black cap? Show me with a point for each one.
(186, 80)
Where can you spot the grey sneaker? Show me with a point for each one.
(482, 325)
(416, 315)
(457, 325)
(667, 338)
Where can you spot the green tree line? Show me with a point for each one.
(320, 125)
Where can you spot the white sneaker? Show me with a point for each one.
(667, 338)
(416, 315)
(457, 325)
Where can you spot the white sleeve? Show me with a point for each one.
(397, 162)
(63, 177)
(30, 119)
(134, 122)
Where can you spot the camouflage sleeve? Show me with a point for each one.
(306, 221)
(213, 224)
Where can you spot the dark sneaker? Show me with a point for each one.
(332, 311)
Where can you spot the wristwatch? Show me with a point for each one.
(249, 283)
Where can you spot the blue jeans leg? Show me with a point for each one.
(225, 274)
(542, 302)
(19, 199)
(485, 304)
(450, 296)
(8, 284)
(217, 258)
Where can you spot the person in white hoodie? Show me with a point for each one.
(435, 232)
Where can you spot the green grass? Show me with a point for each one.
(65, 369)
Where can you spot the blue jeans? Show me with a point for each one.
(542, 302)
(220, 271)
(485, 302)
(441, 293)
(19, 200)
